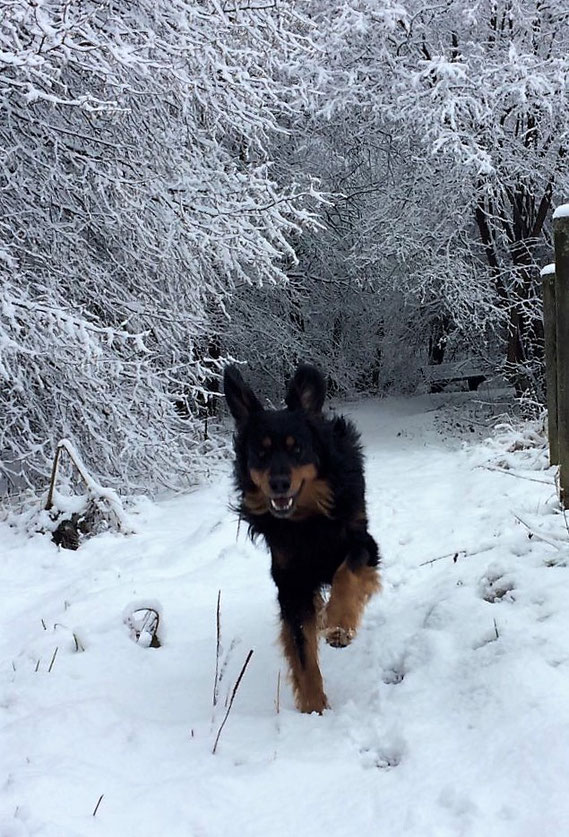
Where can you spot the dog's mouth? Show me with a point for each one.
(283, 505)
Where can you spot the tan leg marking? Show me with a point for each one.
(320, 609)
(351, 590)
(307, 685)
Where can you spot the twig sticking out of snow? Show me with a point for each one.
(97, 805)
(53, 660)
(234, 692)
(221, 663)
(278, 697)
(278, 707)
(223, 667)
(217, 649)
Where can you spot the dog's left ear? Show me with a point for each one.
(307, 390)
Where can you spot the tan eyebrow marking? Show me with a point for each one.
(266, 442)
(290, 441)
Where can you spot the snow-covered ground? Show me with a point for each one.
(450, 712)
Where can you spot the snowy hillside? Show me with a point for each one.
(450, 712)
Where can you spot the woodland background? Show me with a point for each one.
(366, 185)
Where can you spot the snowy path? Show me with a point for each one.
(450, 712)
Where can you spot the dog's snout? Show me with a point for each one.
(279, 483)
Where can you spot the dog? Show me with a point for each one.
(300, 481)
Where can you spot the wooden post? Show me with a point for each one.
(561, 238)
(550, 333)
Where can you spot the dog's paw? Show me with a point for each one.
(312, 703)
(339, 637)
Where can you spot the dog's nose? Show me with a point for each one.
(279, 483)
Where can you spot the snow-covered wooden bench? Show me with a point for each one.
(472, 370)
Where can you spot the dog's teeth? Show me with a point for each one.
(284, 504)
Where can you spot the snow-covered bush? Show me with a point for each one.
(136, 192)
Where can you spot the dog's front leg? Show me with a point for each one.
(354, 583)
(351, 590)
(299, 637)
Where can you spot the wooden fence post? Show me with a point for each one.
(550, 333)
(561, 238)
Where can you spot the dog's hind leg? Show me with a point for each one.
(299, 637)
(351, 590)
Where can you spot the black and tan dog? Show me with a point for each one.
(301, 484)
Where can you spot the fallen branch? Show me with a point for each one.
(94, 490)
(533, 533)
(513, 474)
(66, 520)
(454, 555)
(463, 553)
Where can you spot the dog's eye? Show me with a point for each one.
(262, 453)
(297, 450)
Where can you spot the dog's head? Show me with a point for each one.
(278, 452)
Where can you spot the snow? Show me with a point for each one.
(450, 711)
(548, 270)
(562, 211)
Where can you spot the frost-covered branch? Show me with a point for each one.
(137, 191)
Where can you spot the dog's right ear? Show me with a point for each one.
(241, 399)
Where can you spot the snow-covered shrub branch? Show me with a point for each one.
(136, 192)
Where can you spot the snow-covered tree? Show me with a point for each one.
(158, 206)
(487, 87)
(453, 146)
(136, 194)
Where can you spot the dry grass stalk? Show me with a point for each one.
(97, 805)
(217, 649)
(53, 660)
(234, 692)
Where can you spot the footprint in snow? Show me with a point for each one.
(393, 676)
(495, 589)
(383, 758)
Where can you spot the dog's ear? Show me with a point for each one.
(307, 390)
(241, 399)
